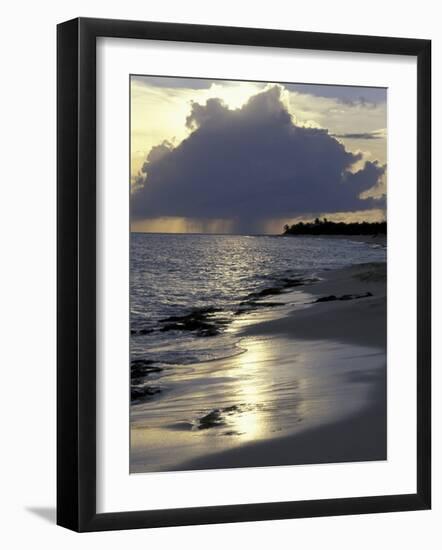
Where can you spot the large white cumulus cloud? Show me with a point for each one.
(250, 165)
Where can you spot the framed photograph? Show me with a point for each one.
(243, 274)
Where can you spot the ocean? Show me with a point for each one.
(217, 280)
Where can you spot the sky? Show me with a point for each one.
(217, 156)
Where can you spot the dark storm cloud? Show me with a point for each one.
(250, 165)
(173, 82)
(348, 95)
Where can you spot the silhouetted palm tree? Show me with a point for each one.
(326, 227)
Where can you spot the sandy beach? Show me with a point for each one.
(323, 399)
(346, 315)
(359, 436)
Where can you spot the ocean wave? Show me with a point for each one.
(185, 303)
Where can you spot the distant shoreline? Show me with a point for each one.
(369, 239)
(375, 238)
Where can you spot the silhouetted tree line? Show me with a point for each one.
(325, 227)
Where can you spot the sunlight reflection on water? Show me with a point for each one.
(275, 388)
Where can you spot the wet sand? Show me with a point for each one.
(359, 437)
(309, 387)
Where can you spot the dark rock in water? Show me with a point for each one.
(326, 299)
(345, 297)
(139, 393)
(193, 325)
(146, 364)
(272, 291)
(232, 409)
(286, 283)
(289, 281)
(141, 331)
(212, 331)
(196, 314)
(140, 368)
(211, 420)
(208, 310)
(253, 304)
(145, 331)
(197, 321)
(217, 417)
(186, 324)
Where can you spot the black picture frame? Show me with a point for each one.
(76, 274)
